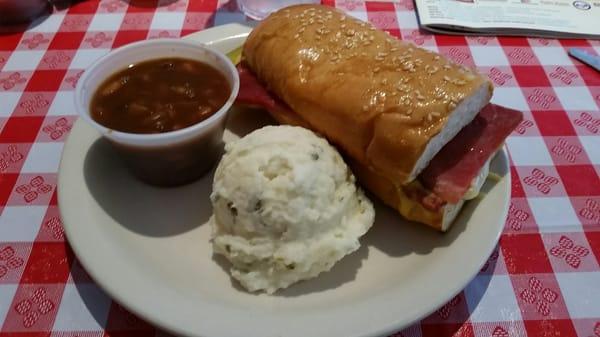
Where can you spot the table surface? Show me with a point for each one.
(542, 280)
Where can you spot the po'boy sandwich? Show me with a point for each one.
(417, 129)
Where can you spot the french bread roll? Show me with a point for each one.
(387, 104)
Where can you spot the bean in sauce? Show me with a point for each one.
(159, 95)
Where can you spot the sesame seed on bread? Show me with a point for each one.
(388, 104)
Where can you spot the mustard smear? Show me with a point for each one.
(235, 55)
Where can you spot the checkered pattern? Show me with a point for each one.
(543, 280)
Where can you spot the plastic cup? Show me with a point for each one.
(260, 9)
(170, 158)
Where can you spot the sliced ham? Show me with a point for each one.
(450, 172)
(252, 93)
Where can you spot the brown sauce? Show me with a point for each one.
(159, 95)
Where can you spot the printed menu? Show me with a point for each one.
(541, 18)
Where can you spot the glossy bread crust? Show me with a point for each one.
(381, 100)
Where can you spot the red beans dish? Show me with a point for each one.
(159, 95)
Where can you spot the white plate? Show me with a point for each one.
(149, 249)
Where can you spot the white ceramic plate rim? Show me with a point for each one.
(358, 320)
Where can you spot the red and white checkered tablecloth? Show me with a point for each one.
(544, 280)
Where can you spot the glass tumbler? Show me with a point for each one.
(260, 9)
